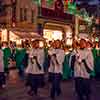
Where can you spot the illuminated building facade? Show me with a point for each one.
(48, 18)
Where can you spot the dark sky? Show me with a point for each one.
(91, 1)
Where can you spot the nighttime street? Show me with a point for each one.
(16, 90)
(49, 49)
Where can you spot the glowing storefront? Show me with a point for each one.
(51, 34)
(17, 36)
(55, 25)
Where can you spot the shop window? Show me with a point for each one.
(47, 34)
(32, 16)
(57, 35)
(52, 34)
(69, 41)
(4, 35)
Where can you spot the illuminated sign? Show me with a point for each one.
(38, 2)
(72, 8)
(66, 1)
(52, 14)
(49, 2)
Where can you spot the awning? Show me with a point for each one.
(28, 35)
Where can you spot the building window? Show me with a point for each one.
(32, 16)
(21, 14)
(25, 14)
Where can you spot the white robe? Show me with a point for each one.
(33, 68)
(56, 68)
(79, 68)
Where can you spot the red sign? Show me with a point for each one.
(68, 1)
(53, 14)
(59, 6)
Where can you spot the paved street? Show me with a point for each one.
(16, 90)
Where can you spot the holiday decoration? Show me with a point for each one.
(59, 6)
(72, 7)
(38, 2)
(49, 2)
(67, 1)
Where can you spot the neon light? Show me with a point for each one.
(38, 2)
(72, 8)
(68, 1)
(49, 2)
